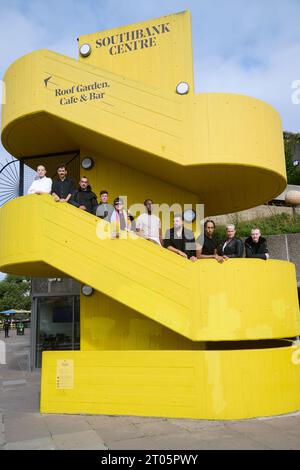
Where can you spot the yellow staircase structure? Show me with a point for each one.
(160, 336)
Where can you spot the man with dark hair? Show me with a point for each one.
(206, 247)
(180, 240)
(256, 245)
(148, 225)
(84, 198)
(104, 210)
(63, 187)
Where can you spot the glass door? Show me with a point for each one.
(58, 328)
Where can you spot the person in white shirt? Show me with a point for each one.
(41, 184)
(148, 225)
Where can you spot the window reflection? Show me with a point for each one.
(58, 325)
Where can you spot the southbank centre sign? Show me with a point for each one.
(133, 40)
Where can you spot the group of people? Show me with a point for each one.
(178, 239)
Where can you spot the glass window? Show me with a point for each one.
(58, 325)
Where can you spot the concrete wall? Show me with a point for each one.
(256, 212)
(286, 247)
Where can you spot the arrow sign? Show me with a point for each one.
(47, 80)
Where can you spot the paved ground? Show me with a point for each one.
(23, 427)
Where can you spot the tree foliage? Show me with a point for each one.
(290, 142)
(15, 293)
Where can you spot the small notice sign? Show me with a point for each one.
(65, 374)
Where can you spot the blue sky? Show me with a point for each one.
(244, 47)
(252, 48)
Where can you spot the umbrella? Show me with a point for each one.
(12, 312)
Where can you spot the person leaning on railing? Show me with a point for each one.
(105, 209)
(232, 247)
(206, 248)
(84, 198)
(180, 240)
(62, 187)
(256, 245)
(41, 184)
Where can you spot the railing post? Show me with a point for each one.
(21, 180)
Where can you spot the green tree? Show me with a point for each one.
(293, 173)
(15, 293)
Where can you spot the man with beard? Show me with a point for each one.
(206, 248)
(84, 198)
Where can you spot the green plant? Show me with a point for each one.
(275, 225)
(290, 141)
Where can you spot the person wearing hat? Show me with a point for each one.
(119, 219)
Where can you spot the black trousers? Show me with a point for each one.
(6, 333)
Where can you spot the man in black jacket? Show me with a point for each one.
(181, 240)
(256, 245)
(84, 198)
(233, 246)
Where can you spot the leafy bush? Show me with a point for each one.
(275, 225)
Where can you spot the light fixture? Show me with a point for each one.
(182, 88)
(85, 50)
(87, 163)
(296, 163)
(189, 216)
(87, 290)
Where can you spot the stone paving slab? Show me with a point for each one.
(96, 419)
(157, 428)
(45, 443)
(85, 440)
(263, 433)
(285, 424)
(65, 424)
(179, 441)
(122, 432)
(196, 425)
(25, 426)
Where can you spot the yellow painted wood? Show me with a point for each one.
(164, 60)
(144, 331)
(182, 140)
(179, 384)
(203, 301)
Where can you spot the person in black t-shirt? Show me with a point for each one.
(206, 247)
(84, 198)
(62, 187)
(180, 240)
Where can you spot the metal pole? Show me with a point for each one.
(21, 179)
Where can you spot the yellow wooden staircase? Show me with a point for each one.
(160, 336)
